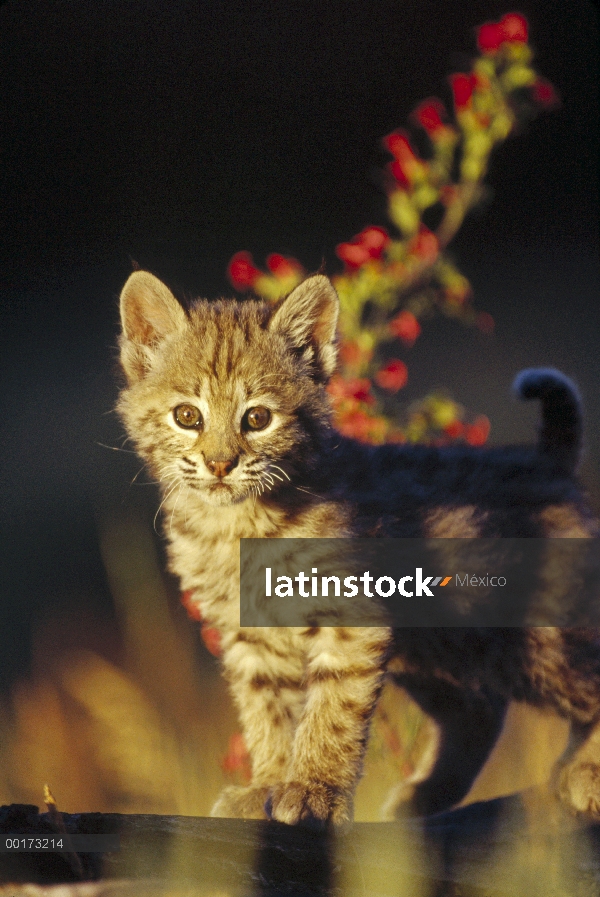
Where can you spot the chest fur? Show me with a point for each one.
(204, 546)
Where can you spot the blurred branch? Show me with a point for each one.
(391, 283)
(449, 852)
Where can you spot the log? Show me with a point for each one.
(489, 849)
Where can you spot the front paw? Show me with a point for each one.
(313, 805)
(241, 802)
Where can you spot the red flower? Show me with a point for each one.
(359, 425)
(544, 94)
(511, 27)
(369, 244)
(241, 271)
(478, 432)
(489, 37)
(462, 89)
(237, 757)
(356, 388)
(455, 429)
(353, 254)
(375, 239)
(424, 245)
(514, 27)
(212, 639)
(398, 173)
(406, 162)
(398, 144)
(190, 605)
(406, 327)
(393, 376)
(429, 115)
(209, 635)
(281, 267)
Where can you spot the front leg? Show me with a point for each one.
(344, 678)
(265, 673)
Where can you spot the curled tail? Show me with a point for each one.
(561, 430)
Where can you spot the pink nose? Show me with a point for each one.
(221, 468)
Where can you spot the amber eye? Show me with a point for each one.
(188, 417)
(257, 418)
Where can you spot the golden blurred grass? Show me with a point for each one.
(139, 720)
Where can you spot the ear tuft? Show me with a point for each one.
(149, 313)
(308, 318)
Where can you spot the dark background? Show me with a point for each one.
(176, 134)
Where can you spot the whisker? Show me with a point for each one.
(115, 448)
(173, 511)
(267, 483)
(143, 467)
(277, 467)
(166, 472)
(187, 492)
(161, 504)
(308, 492)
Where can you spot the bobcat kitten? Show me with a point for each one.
(227, 405)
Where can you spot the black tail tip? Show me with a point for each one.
(542, 383)
(561, 429)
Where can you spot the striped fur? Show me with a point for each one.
(306, 696)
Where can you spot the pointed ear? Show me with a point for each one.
(308, 318)
(149, 313)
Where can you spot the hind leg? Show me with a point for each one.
(469, 723)
(577, 774)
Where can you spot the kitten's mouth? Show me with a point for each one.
(221, 493)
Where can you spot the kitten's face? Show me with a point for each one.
(228, 400)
